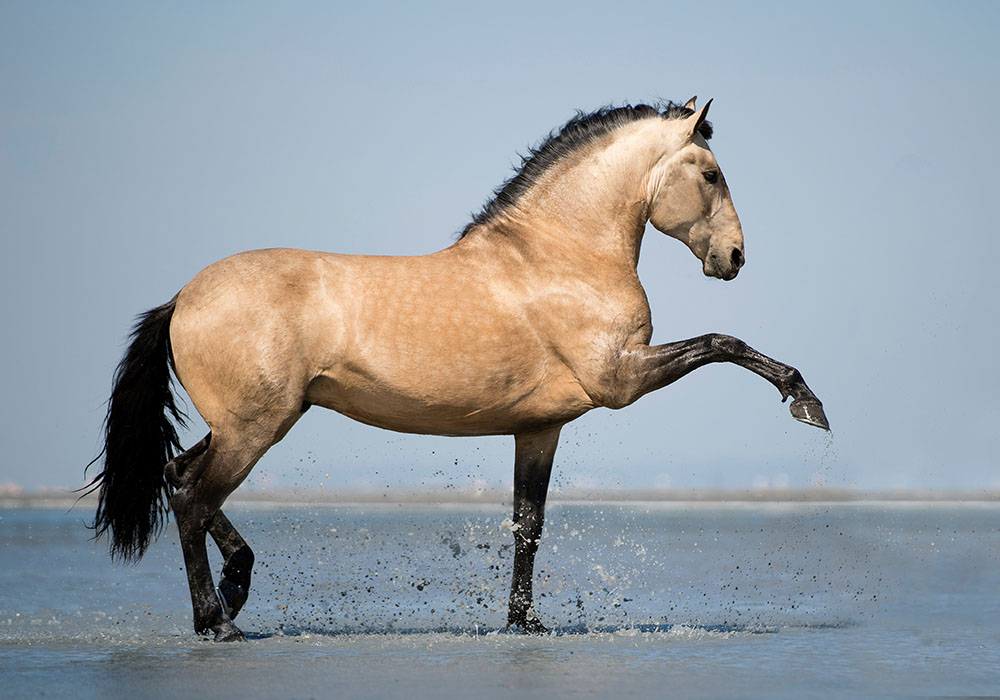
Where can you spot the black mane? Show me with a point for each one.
(576, 133)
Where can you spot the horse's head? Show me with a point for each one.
(689, 199)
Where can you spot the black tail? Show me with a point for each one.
(139, 439)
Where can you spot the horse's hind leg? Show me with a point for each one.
(234, 585)
(202, 482)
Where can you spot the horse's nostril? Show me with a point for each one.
(737, 257)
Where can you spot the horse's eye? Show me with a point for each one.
(711, 176)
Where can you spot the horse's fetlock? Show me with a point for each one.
(793, 379)
(203, 623)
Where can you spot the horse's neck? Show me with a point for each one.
(595, 206)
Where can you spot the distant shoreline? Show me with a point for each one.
(293, 497)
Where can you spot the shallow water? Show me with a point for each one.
(644, 599)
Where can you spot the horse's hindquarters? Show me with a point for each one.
(237, 338)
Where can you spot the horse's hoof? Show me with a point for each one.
(228, 632)
(809, 411)
(530, 626)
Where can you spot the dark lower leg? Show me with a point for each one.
(234, 584)
(193, 520)
(533, 455)
(192, 524)
(805, 406)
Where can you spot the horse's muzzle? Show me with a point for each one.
(724, 267)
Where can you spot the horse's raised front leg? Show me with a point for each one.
(647, 368)
(533, 455)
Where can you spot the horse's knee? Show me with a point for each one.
(727, 345)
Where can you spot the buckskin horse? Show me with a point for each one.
(534, 316)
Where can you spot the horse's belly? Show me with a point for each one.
(451, 408)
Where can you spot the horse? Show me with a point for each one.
(534, 316)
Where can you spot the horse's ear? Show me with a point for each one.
(695, 121)
(690, 104)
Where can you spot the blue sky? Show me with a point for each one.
(141, 142)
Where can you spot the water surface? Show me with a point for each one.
(644, 599)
